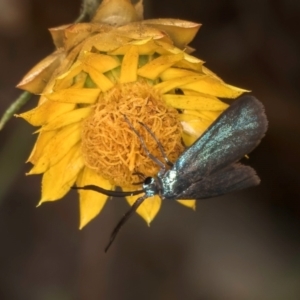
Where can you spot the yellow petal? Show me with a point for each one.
(71, 95)
(68, 118)
(58, 180)
(103, 63)
(99, 79)
(58, 35)
(156, 66)
(200, 102)
(189, 49)
(129, 65)
(46, 112)
(144, 47)
(148, 209)
(77, 33)
(69, 60)
(209, 115)
(181, 32)
(57, 148)
(192, 59)
(66, 79)
(166, 48)
(195, 123)
(189, 203)
(194, 127)
(204, 115)
(166, 86)
(48, 88)
(209, 72)
(104, 42)
(189, 118)
(42, 141)
(138, 31)
(184, 64)
(36, 79)
(188, 139)
(215, 87)
(194, 93)
(80, 80)
(173, 73)
(91, 202)
(188, 62)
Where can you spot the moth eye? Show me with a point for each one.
(148, 180)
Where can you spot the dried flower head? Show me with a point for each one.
(118, 65)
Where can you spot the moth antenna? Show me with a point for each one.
(149, 154)
(128, 214)
(110, 193)
(161, 149)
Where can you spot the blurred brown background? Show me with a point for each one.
(244, 246)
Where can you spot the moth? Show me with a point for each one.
(209, 167)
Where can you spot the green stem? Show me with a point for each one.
(14, 107)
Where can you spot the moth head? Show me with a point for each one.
(150, 186)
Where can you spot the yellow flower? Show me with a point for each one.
(118, 65)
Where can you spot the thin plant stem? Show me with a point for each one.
(14, 108)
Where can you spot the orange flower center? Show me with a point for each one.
(113, 149)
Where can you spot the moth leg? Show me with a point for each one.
(128, 214)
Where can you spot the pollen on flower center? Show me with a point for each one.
(111, 147)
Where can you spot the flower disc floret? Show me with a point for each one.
(111, 148)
